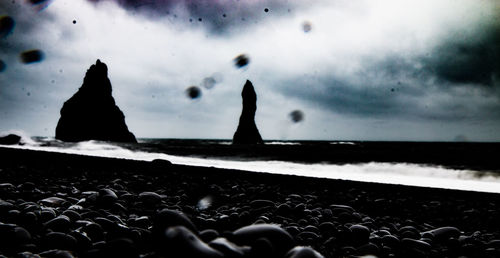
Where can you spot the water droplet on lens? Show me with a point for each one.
(193, 92)
(241, 60)
(32, 56)
(6, 25)
(209, 82)
(296, 116)
(306, 26)
(3, 66)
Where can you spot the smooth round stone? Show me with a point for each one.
(303, 252)
(47, 214)
(27, 186)
(308, 236)
(494, 243)
(180, 242)
(416, 244)
(443, 233)
(367, 249)
(283, 209)
(53, 201)
(150, 198)
(83, 241)
(28, 255)
(6, 206)
(167, 218)
(390, 240)
(341, 207)
(56, 254)
(107, 196)
(360, 234)
(94, 231)
(60, 223)
(58, 240)
(227, 248)
(255, 204)
(281, 240)
(73, 215)
(7, 187)
(327, 227)
(208, 235)
(21, 235)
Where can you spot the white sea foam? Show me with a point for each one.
(391, 173)
(283, 143)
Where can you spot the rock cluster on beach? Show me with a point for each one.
(91, 114)
(247, 132)
(10, 139)
(161, 210)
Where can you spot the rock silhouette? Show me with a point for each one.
(247, 132)
(91, 114)
(10, 139)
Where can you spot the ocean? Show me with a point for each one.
(461, 166)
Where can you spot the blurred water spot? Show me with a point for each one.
(6, 25)
(204, 203)
(209, 82)
(3, 66)
(40, 4)
(32, 56)
(241, 60)
(193, 92)
(306, 26)
(296, 116)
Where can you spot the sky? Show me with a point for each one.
(389, 70)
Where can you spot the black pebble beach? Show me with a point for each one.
(62, 205)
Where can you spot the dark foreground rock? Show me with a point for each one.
(96, 207)
(247, 132)
(10, 139)
(91, 114)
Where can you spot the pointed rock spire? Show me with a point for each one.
(247, 132)
(91, 113)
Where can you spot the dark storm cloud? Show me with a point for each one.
(344, 97)
(218, 16)
(471, 60)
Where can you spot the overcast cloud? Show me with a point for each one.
(384, 70)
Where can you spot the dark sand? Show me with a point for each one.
(114, 207)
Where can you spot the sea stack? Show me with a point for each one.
(247, 132)
(91, 114)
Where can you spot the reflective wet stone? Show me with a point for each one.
(280, 239)
(303, 252)
(181, 242)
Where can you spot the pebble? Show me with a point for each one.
(53, 201)
(303, 252)
(360, 234)
(58, 240)
(280, 240)
(181, 242)
(227, 248)
(442, 234)
(60, 223)
(168, 218)
(150, 198)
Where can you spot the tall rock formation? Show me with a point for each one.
(247, 132)
(91, 114)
